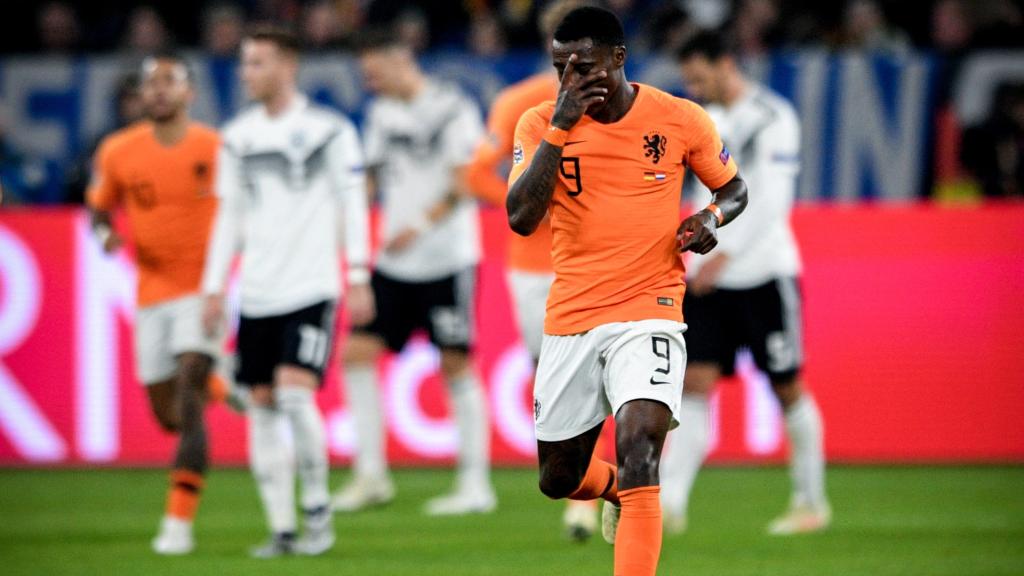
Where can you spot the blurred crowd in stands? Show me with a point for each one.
(991, 152)
(494, 27)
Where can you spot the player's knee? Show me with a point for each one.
(167, 420)
(700, 379)
(558, 484)
(454, 363)
(786, 387)
(361, 349)
(262, 396)
(194, 369)
(640, 456)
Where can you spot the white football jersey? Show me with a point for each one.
(288, 185)
(415, 146)
(762, 132)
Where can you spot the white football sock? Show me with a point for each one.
(686, 449)
(470, 410)
(807, 458)
(364, 404)
(273, 468)
(298, 404)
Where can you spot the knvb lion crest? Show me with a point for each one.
(654, 146)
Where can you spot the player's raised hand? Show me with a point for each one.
(698, 233)
(577, 93)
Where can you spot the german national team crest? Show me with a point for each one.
(654, 146)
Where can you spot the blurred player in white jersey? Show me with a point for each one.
(745, 293)
(290, 174)
(420, 134)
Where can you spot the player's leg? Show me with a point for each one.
(529, 292)
(776, 344)
(270, 459)
(308, 334)
(643, 375)
(710, 345)
(371, 483)
(569, 409)
(446, 307)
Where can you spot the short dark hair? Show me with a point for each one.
(379, 38)
(173, 56)
(599, 24)
(709, 44)
(283, 38)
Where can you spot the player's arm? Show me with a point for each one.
(773, 175)
(225, 240)
(350, 182)
(459, 140)
(103, 196)
(530, 190)
(713, 165)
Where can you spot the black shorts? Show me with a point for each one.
(444, 308)
(766, 319)
(301, 338)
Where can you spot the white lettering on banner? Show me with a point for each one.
(513, 419)
(810, 102)
(891, 143)
(24, 80)
(105, 291)
(99, 94)
(762, 426)
(24, 424)
(419, 432)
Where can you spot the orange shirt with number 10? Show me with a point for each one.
(615, 208)
(168, 195)
(531, 253)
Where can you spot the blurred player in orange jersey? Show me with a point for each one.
(606, 160)
(161, 172)
(529, 257)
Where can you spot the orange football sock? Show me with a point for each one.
(638, 540)
(600, 481)
(216, 388)
(183, 496)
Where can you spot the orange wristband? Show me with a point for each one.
(556, 136)
(714, 209)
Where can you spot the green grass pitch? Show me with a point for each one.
(927, 521)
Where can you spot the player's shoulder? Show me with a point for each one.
(539, 114)
(204, 133)
(775, 107)
(126, 140)
(242, 122)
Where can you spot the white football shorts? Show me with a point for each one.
(582, 378)
(165, 330)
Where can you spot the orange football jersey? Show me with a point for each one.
(168, 195)
(615, 209)
(531, 253)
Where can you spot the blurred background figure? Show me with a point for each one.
(866, 28)
(59, 32)
(146, 33)
(223, 28)
(993, 151)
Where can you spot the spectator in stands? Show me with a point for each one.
(57, 26)
(755, 27)
(866, 28)
(993, 151)
(486, 36)
(146, 32)
(321, 27)
(952, 26)
(223, 28)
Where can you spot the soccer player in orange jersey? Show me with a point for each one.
(606, 160)
(161, 172)
(529, 257)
